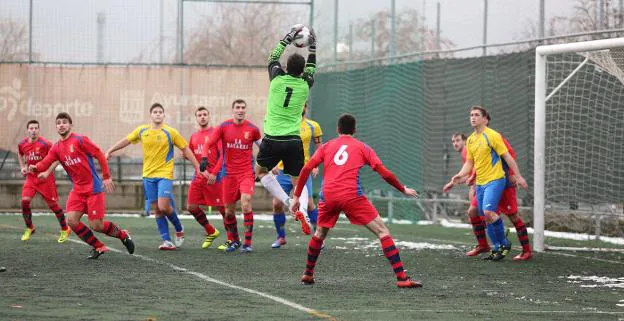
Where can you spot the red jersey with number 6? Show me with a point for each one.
(342, 159)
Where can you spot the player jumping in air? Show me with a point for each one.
(205, 191)
(342, 159)
(31, 150)
(288, 93)
(158, 140)
(76, 153)
(238, 136)
(485, 150)
(311, 134)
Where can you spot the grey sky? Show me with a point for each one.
(65, 30)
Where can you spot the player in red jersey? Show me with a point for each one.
(478, 222)
(342, 159)
(76, 153)
(237, 136)
(31, 150)
(205, 191)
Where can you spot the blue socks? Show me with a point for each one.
(280, 219)
(313, 215)
(163, 228)
(173, 218)
(499, 230)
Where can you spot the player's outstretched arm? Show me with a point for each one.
(391, 179)
(464, 172)
(517, 178)
(45, 174)
(45, 163)
(118, 145)
(310, 68)
(22, 164)
(315, 161)
(189, 155)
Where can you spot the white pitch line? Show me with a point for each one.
(472, 311)
(225, 284)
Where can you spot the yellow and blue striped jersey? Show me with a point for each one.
(308, 130)
(485, 150)
(157, 149)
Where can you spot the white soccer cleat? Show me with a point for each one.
(179, 239)
(167, 246)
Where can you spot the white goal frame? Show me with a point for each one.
(539, 147)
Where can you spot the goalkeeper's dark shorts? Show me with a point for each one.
(288, 149)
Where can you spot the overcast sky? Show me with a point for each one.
(65, 30)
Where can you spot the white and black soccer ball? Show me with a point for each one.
(302, 38)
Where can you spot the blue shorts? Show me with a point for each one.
(155, 188)
(286, 183)
(489, 195)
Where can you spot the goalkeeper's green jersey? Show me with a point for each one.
(287, 95)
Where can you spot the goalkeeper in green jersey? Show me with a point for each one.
(288, 93)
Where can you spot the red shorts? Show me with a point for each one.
(508, 203)
(47, 188)
(234, 186)
(94, 205)
(358, 210)
(202, 193)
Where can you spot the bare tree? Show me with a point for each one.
(13, 40)
(241, 34)
(411, 34)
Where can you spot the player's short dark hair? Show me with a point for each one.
(239, 101)
(157, 105)
(346, 124)
(64, 115)
(482, 110)
(462, 135)
(200, 108)
(32, 122)
(295, 64)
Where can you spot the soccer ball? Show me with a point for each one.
(302, 38)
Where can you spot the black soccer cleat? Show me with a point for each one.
(490, 256)
(96, 253)
(502, 252)
(128, 243)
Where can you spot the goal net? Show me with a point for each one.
(579, 142)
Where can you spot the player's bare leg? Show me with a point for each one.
(27, 215)
(391, 252)
(523, 237)
(478, 228)
(246, 200)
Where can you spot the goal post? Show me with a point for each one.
(605, 70)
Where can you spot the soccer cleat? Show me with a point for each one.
(224, 246)
(502, 252)
(305, 222)
(179, 240)
(278, 243)
(64, 235)
(233, 246)
(490, 256)
(525, 255)
(246, 249)
(95, 253)
(167, 246)
(27, 233)
(409, 283)
(307, 279)
(478, 249)
(210, 238)
(128, 243)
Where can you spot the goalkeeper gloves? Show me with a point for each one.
(203, 164)
(312, 41)
(288, 39)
